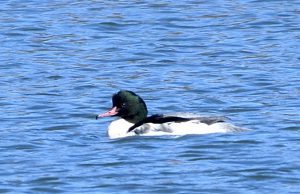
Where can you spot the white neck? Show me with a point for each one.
(119, 128)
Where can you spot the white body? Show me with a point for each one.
(119, 128)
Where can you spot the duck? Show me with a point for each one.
(133, 120)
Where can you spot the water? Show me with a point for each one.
(62, 60)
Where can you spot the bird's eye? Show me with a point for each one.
(124, 104)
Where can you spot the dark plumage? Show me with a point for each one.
(134, 121)
(133, 109)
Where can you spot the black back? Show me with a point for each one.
(159, 119)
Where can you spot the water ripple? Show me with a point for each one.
(62, 60)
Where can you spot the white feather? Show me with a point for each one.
(119, 128)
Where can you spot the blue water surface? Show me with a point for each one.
(61, 61)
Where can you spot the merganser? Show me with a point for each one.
(133, 120)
